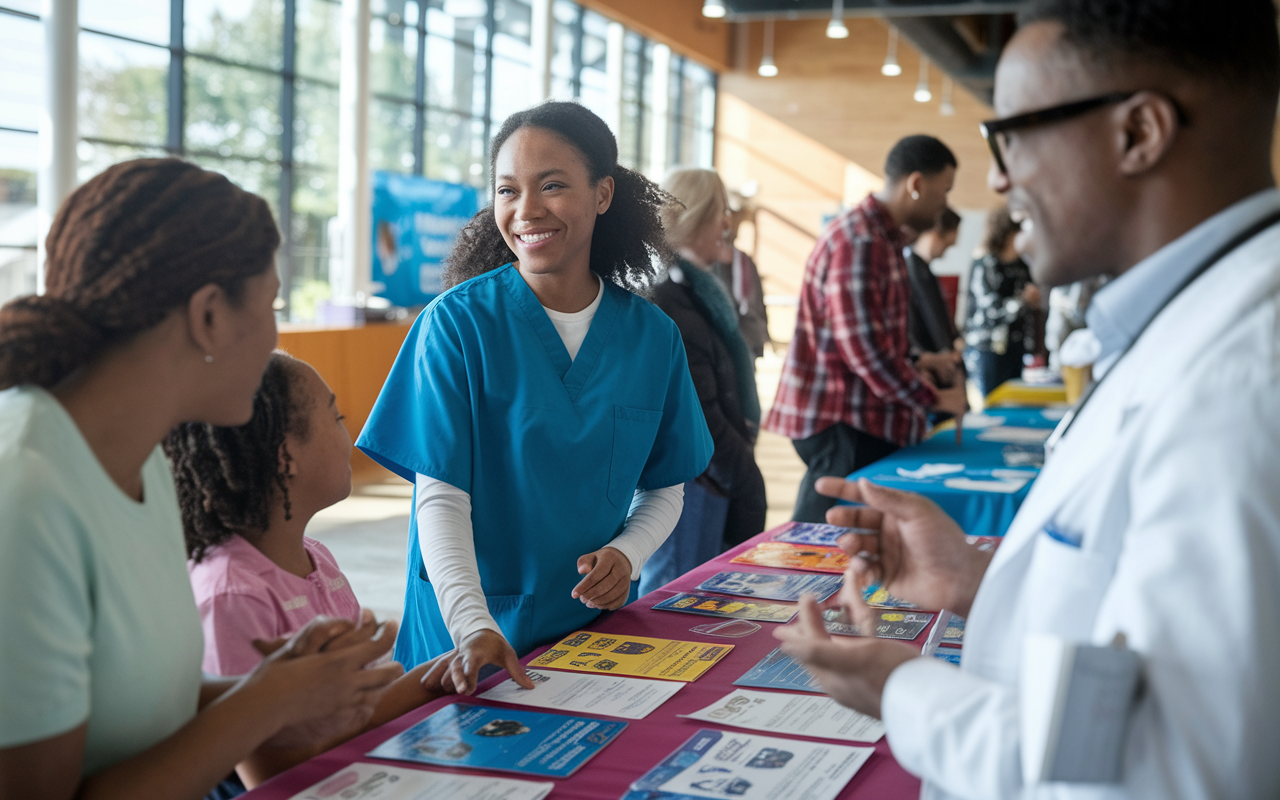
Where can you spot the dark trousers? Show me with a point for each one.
(837, 450)
(990, 369)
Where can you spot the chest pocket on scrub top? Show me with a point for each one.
(634, 430)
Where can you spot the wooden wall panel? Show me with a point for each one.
(679, 24)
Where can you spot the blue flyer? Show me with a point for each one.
(948, 654)
(779, 671)
(506, 739)
(814, 533)
(772, 586)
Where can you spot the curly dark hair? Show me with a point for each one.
(628, 246)
(228, 479)
(126, 248)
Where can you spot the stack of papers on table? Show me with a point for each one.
(814, 533)
(639, 656)
(362, 781)
(1009, 434)
(772, 586)
(790, 556)
(727, 607)
(801, 715)
(611, 695)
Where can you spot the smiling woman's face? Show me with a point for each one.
(544, 202)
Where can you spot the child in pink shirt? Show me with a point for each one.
(246, 496)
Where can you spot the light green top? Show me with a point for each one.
(97, 618)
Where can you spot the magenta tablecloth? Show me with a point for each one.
(645, 742)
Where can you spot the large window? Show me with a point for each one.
(250, 88)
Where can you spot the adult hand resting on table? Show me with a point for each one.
(481, 648)
(918, 555)
(608, 579)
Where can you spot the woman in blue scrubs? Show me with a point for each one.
(544, 412)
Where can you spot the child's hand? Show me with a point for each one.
(608, 579)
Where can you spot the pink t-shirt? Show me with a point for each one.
(243, 596)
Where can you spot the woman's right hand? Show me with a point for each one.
(481, 648)
(320, 682)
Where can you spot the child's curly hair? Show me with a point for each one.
(228, 478)
(628, 246)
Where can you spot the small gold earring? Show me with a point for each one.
(208, 359)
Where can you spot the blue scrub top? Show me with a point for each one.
(484, 397)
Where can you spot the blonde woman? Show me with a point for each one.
(723, 374)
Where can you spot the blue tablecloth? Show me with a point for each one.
(979, 513)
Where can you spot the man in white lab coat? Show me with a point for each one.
(1157, 514)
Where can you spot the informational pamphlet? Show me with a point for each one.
(720, 764)
(951, 655)
(893, 623)
(727, 607)
(361, 781)
(999, 486)
(780, 671)
(794, 556)
(813, 533)
(798, 714)
(953, 634)
(611, 695)
(772, 586)
(637, 656)
(877, 595)
(507, 739)
(1013, 434)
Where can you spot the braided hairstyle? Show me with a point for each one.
(229, 478)
(125, 249)
(628, 245)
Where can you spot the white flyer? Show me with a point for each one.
(360, 781)
(1012, 434)
(722, 764)
(800, 714)
(610, 695)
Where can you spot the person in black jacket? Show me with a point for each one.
(932, 329)
(719, 361)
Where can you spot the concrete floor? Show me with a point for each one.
(367, 531)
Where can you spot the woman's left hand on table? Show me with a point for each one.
(608, 579)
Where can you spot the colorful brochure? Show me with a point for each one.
(948, 654)
(797, 714)
(611, 695)
(772, 585)
(728, 607)
(361, 781)
(876, 595)
(637, 656)
(893, 623)
(720, 764)
(953, 636)
(506, 739)
(792, 556)
(813, 533)
(780, 671)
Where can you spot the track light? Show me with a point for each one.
(767, 68)
(923, 95)
(836, 28)
(891, 69)
(946, 109)
(713, 8)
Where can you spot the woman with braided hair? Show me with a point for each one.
(544, 411)
(158, 311)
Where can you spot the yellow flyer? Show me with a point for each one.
(637, 656)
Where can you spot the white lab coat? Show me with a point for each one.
(1170, 473)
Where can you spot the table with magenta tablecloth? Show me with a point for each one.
(979, 513)
(646, 741)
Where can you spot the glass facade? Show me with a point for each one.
(250, 88)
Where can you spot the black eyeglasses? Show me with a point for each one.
(992, 129)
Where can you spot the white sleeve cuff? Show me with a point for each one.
(652, 517)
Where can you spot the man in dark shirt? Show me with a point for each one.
(932, 329)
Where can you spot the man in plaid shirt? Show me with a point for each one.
(850, 393)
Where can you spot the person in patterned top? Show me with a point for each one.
(849, 393)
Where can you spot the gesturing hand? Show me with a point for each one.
(852, 670)
(608, 579)
(477, 650)
(919, 554)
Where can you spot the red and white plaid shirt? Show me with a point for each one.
(848, 361)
